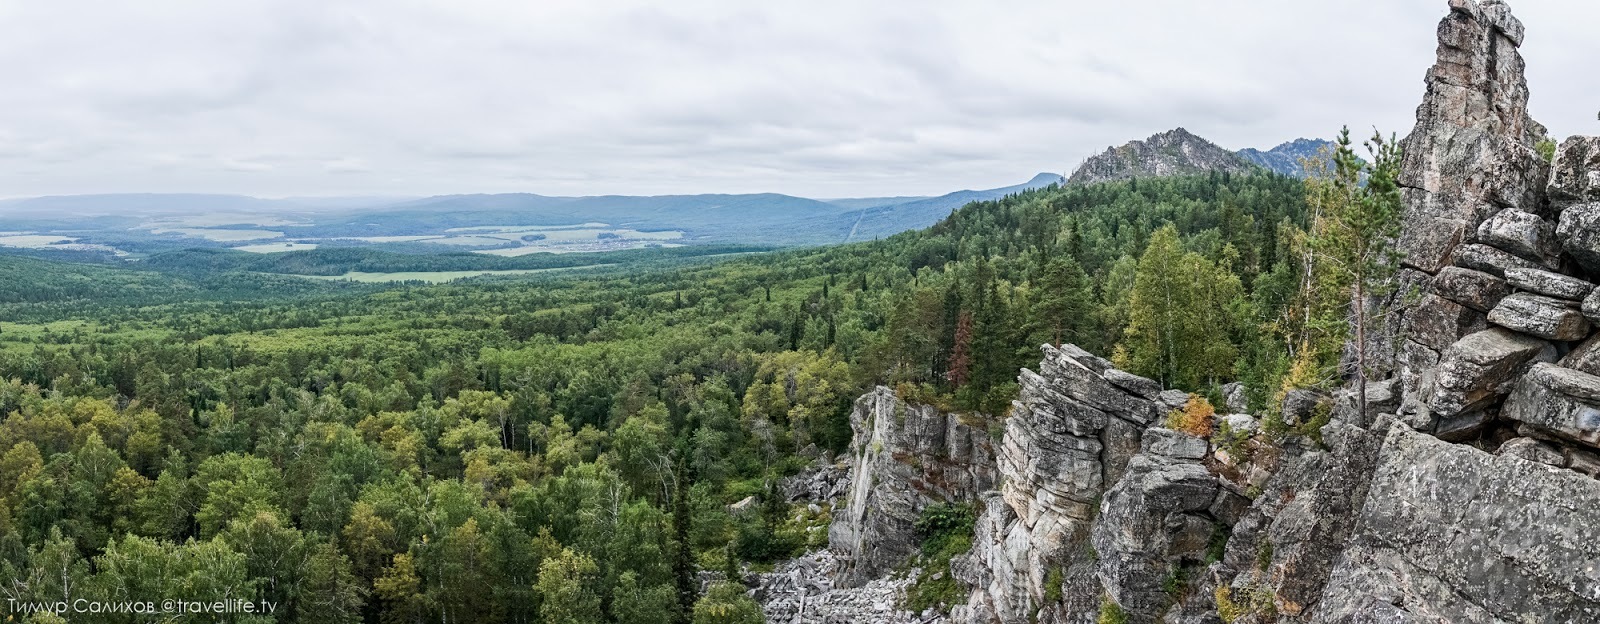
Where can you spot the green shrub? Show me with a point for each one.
(1111, 612)
(946, 532)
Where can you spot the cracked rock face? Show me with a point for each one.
(903, 457)
(1073, 431)
(1449, 533)
(1545, 317)
(1563, 401)
(1575, 175)
(1153, 519)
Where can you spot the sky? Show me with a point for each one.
(813, 98)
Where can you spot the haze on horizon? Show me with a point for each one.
(828, 99)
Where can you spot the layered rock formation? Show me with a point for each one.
(1073, 430)
(1174, 152)
(903, 457)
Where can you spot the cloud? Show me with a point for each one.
(823, 98)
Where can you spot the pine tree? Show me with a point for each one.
(1065, 300)
(1357, 236)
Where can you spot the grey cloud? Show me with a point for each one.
(826, 98)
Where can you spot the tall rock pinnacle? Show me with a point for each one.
(1472, 150)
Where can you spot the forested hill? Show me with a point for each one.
(565, 448)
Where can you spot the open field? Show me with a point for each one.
(276, 247)
(434, 277)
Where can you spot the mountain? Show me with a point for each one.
(919, 213)
(1285, 158)
(1174, 152)
(148, 223)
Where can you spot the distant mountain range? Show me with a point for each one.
(1285, 158)
(758, 218)
(1180, 152)
(508, 223)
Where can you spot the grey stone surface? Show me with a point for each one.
(1549, 283)
(1382, 396)
(823, 481)
(1561, 401)
(1521, 233)
(1584, 357)
(1579, 231)
(1490, 260)
(1575, 175)
(1537, 315)
(801, 591)
(1147, 388)
(1449, 533)
(1244, 423)
(1301, 404)
(1071, 434)
(1591, 306)
(1149, 521)
(1533, 450)
(1235, 398)
(1173, 444)
(1173, 400)
(1474, 289)
(1436, 322)
(1479, 368)
(903, 457)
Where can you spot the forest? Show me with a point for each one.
(566, 447)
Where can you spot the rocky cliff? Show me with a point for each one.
(903, 457)
(1174, 152)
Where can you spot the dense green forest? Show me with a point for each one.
(565, 447)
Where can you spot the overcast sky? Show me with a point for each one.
(814, 98)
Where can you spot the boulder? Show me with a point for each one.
(1241, 423)
(1591, 306)
(1549, 283)
(1474, 289)
(1449, 533)
(1533, 450)
(1151, 519)
(1559, 400)
(1479, 368)
(1235, 398)
(1584, 357)
(1579, 232)
(1464, 427)
(1436, 322)
(1173, 399)
(1174, 444)
(1490, 260)
(1522, 233)
(1382, 396)
(1301, 405)
(1575, 175)
(1541, 316)
(1147, 388)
